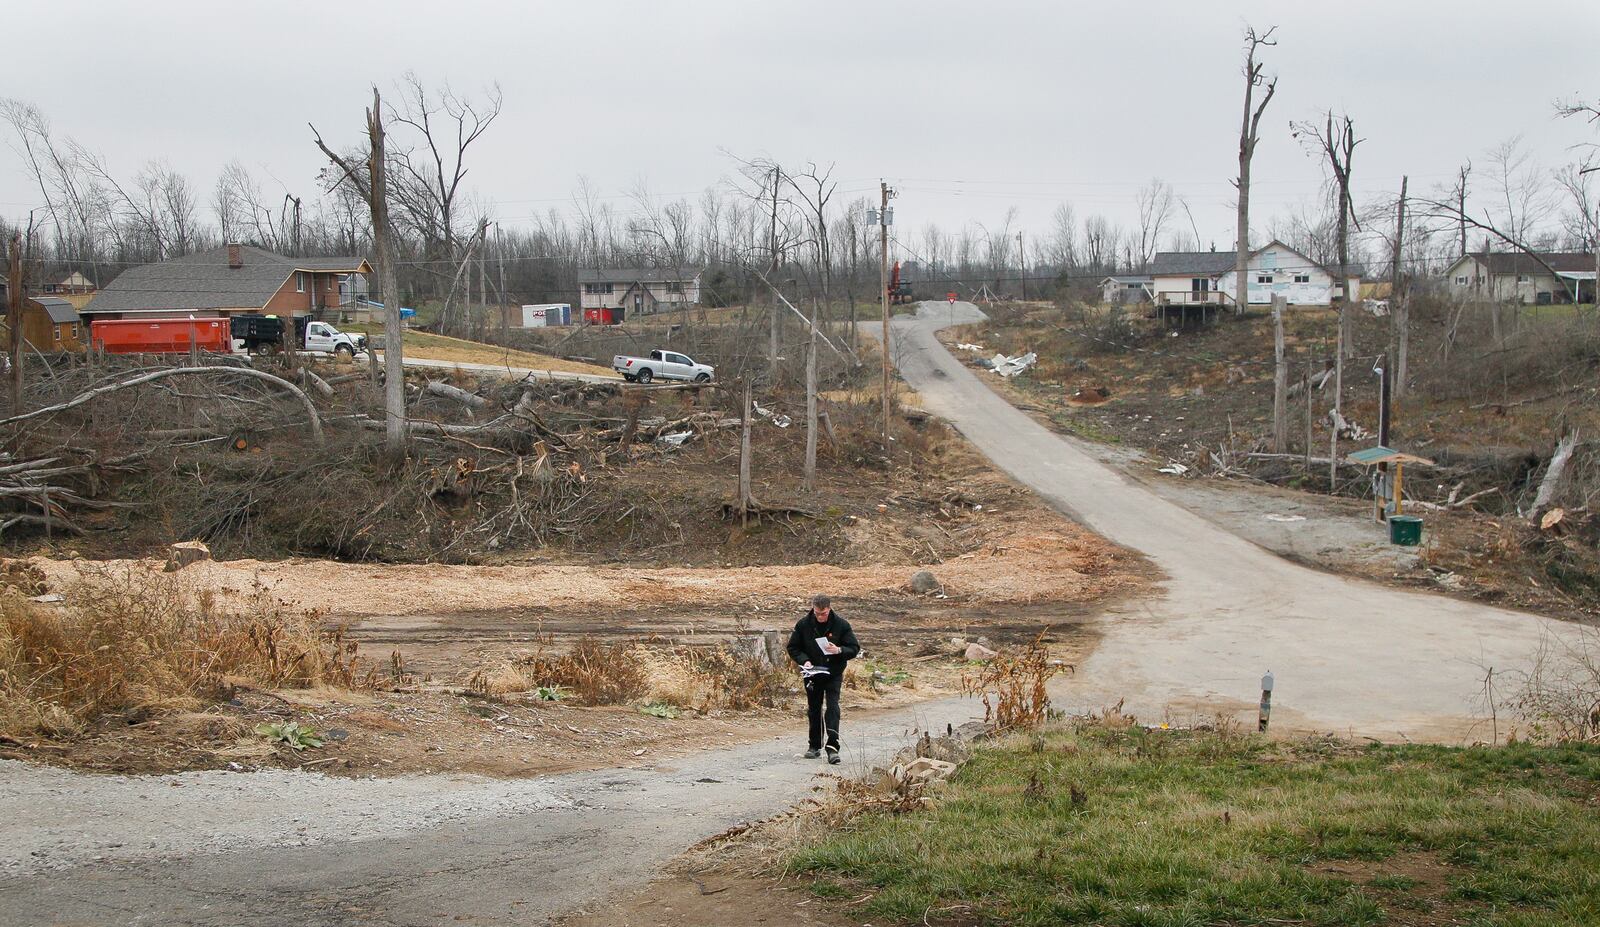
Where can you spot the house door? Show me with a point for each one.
(1198, 287)
(638, 305)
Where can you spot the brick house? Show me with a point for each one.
(233, 279)
(639, 290)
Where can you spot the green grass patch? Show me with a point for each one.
(1178, 828)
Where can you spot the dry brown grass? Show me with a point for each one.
(129, 641)
(1012, 687)
(700, 679)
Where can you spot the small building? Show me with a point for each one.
(74, 283)
(1123, 289)
(1207, 278)
(1512, 276)
(639, 290)
(49, 323)
(234, 279)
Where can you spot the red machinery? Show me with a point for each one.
(160, 336)
(899, 292)
(604, 316)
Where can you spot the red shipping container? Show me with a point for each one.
(160, 336)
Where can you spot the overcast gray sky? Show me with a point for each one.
(968, 107)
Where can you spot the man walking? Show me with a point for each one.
(822, 643)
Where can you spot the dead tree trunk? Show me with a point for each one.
(1399, 306)
(1553, 474)
(811, 403)
(1247, 149)
(1280, 381)
(394, 371)
(775, 320)
(315, 420)
(746, 501)
(14, 321)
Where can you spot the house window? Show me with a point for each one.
(74, 331)
(674, 287)
(595, 289)
(299, 281)
(1522, 278)
(1461, 280)
(1302, 278)
(58, 333)
(1263, 278)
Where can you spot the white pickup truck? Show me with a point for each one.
(663, 365)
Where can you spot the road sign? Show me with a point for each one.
(951, 297)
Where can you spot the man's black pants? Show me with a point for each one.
(822, 688)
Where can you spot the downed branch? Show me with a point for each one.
(314, 419)
(456, 394)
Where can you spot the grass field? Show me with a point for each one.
(1135, 827)
(444, 348)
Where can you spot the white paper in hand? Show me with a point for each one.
(828, 647)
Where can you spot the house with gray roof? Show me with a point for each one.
(1207, 278)
(639, 290)
(233, 279)
(1512, 276)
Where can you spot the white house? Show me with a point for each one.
(639, 290)
(1511, 276)
(1207, 278)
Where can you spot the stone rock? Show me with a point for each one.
(922, 769)
(182, 554)
(980, 653)
(924, 583)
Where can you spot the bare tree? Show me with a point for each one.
(1585, 206)
(427, 176)
(1155, 208)
(1062, 248)
(1248, 136)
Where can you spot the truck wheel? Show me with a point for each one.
(645, 375)
(345, 352)
(265, 349)
(703, 378)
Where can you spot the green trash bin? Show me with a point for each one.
(1405, 530)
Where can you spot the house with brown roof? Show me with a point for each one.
(233, 279)
(1512, 276)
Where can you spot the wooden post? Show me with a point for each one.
(14, 321)
(1399, 475)
(1383, 439)
(1280, 380)
(1308, 418)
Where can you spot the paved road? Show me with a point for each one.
(1349, 656)
(227, 849)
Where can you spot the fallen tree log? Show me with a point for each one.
(1553, 474)
(314, 419)
(444, 390)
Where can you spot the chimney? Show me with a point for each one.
(235, 257)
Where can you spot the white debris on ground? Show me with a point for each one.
(777, 418)
(1274, 516)
(1174, 468)
(676, 440)
(1011, 366)
(974, 348)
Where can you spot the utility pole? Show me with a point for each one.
(500, 255)
(883, 294)
(14, 321)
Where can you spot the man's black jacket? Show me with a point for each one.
(803, 642)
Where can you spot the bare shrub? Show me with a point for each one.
(1557, 699)
(1012, 687)
(130, 641)
(595, 672)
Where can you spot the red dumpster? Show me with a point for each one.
(160, 336)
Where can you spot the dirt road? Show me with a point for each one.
(299, 849)
(1348, 655)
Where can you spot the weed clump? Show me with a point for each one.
(128, 641)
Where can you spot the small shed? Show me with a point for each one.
(50, 323)
(1378, 455)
